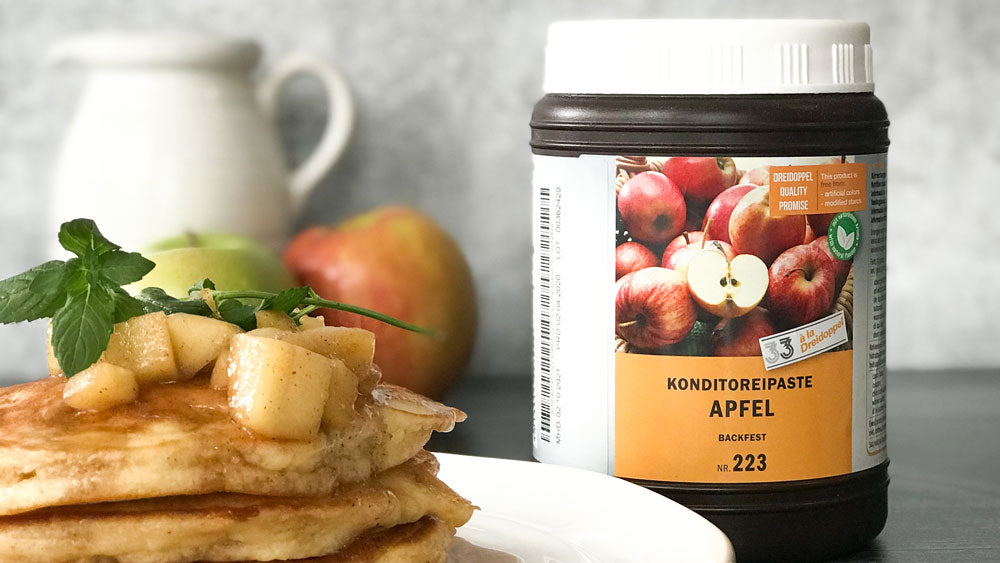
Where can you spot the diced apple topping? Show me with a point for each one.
(369, 381)
(268, 332)
(276, 388)
(275, 319)
(309, 323)
(220, 371)
(280, 383)
(343, 391)
(198, 341)
(100, 386)
(353, 346)
(142, 344)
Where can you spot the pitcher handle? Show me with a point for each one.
(339, 121)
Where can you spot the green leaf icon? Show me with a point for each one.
(844, 236)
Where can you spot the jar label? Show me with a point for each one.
(710, 319)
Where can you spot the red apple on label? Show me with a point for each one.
(740, 336)
(726, 286)
(682, 240)
(695, 216)
(760, 176)
(632, 256)
(653, 308)
(801, 285)
(842, 267)
(810, 235)
(721, 209)
(701, 178)
(820, 223)
(752, 229)
(653, 207)
(678, 261)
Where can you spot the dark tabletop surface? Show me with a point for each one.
(944, 452)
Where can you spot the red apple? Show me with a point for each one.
(678, 261)
(682, 240)
(701, 178)
(653, 308)
(740, 336)
(752, 229)
(653, 207)
(801, 285)
(843, 267)
(397, 261)
(725, 286)
(760, 176)
(820, 223)
(810, 235)
(695, 216)
(632, 256)
(721, 209)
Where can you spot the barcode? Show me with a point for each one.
(545, 313)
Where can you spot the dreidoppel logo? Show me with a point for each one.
(844, 236)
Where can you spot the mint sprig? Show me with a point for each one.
(84, 297)
(81, 329)
(154, 299)
(34, 294)
(309, 303)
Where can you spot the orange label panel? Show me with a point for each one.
(820, 188)
(727, 420)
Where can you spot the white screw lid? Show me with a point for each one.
(708, 57)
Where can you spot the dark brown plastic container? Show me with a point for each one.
(788, 520)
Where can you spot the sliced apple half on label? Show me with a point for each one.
(727, 288)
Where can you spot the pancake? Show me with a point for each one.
(357, 521)
(425, 541)
(178, 439)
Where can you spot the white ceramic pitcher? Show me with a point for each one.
(171, 135)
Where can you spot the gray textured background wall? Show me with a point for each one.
(445, 89)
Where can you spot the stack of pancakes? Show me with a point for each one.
(170, 478)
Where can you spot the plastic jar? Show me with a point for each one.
(740, 373)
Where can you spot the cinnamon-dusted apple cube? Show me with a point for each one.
(309, 323)
(100, 386)
(367, 382)
(343, 392)
(353, 346)
(142, 344)
(198, 341)
(275, 319)
(268, 332)
(276, 388)
(220, 371)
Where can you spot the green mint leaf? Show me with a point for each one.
(77, 278)
(126, 306)
(195, 290)
(154, 299)
(122, 268)
(35, 294)
(81, 329)
(287, 300)
(238, 313)
(83, 238)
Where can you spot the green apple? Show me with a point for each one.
(231, 261)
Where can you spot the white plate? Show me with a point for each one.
(533, 512)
